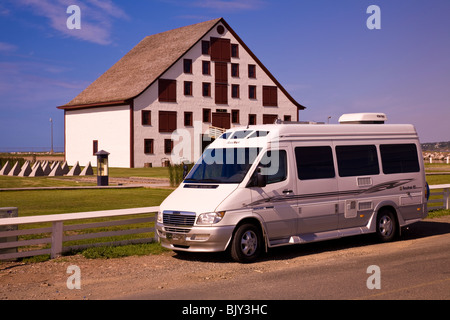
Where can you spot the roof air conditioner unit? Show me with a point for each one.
(363, 118)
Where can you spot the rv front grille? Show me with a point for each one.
(180, 219)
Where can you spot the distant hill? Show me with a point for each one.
(436, 146)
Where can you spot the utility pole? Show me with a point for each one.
(51, 126)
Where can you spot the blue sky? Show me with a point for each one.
(321, 51)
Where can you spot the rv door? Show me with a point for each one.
(275, 203)
(317, 188)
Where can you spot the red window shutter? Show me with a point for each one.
(220, 49)
(173, 91)
(172, 121)
(269, 118)
(221, 120)
(167, 121)
(167, 90)
(270, 96)
(221, 96)
(221, 72)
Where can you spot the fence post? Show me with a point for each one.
(447, 198)
(57, 237)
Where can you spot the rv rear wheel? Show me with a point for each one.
(386, 225)
(247, 243)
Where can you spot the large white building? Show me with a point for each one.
(189, 81)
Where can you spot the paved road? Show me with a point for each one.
(415, 267)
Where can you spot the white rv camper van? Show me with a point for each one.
(264, 186)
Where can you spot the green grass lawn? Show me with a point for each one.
(157, 172)
(34, 182)
(42, 202)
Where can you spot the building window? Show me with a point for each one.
(148, 146)
(235, 116)
(235, 91)
(187, 65)
(188, 119)
(221, 93)
(188, 88)
(235, 70)
(94, 147)
(235, 51)
(167, 121)
(205, 47)
(146, 117)
(168, 146)
(206, 89)
(206, 68)
(167, 90)
(269, 118)
(287, 118)
(206, 115)
(252, 71)
(252, 119)
(270, 98)
(252, 92)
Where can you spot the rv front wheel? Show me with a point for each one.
(386, 225)
(247, 243)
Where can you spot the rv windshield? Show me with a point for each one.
(227, 165)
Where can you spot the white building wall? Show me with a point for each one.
(110, 126)
(148, 100)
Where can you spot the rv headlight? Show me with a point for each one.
(159, 218)
(210, 217)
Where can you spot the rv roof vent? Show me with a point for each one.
(363, 118)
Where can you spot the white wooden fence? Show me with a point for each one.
(443, 197)
(61, 233)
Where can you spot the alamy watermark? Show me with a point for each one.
(374, 280)
(74, 280)
(374, 21)
(74, 20)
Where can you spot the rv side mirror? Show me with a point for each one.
(257, 179)
(261, 180)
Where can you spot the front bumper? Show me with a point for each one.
(195, 239)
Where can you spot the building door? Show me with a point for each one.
(221, 120)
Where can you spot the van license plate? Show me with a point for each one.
(176, 237)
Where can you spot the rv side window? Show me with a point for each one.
(357, 160)
(274, 164)
(399, 158)
(314, 162)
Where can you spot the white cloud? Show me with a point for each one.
(229, 5)
(7, 47)
(97, 17)
(25, 84)
(220, 5)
